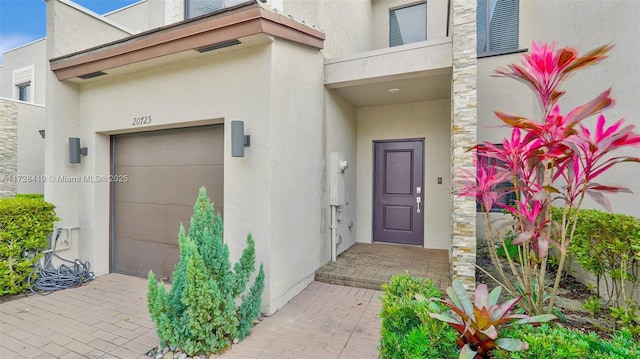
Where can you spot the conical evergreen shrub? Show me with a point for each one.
(201, 313)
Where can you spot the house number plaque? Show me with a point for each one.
(139, 121)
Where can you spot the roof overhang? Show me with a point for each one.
(202, 33)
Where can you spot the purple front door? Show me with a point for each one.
(398, 192)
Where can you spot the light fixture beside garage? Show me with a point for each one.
(75, 150)
(238, 139)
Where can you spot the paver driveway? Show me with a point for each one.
(108, 318)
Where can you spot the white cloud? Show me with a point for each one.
(11, 41)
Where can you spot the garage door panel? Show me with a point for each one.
(138, 257)
(150, 222)
(171, 147)
(177, 185)
(165, 169)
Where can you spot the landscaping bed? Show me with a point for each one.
(571, 297)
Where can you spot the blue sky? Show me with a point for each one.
(23, 21)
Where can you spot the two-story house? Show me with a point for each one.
(359, 114)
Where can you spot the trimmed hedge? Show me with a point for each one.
(407, 331)
(553, 341)
(25, 224)
(31, 195)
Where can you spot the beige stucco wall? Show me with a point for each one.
(32, 54)
(296, 170)
(30, 147)
(274, 192)
(341, 121)
(347, 24)
(429, 120)
(144, 15)
(76, 30)
(436, 19)
(109, 105)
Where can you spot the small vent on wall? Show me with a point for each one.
(219, 45)
(92, 75)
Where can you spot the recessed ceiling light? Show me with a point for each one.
(394, 90)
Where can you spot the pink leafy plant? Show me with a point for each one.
(555, 161)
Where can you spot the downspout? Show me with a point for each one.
(334, 231)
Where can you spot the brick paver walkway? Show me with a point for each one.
(369, 265)
(108, 318)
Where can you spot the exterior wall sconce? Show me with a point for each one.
(75, 150)
(238, 139)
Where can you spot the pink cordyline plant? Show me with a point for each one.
(554, 161)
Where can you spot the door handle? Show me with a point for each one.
(418, 202)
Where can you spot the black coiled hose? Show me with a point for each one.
(45, 278)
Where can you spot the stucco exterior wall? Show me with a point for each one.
(620, 72)
(341, 127)
(428, 120)
(274, 192)
(32, 54)
(108, 106)
(347, 24)
(144, 15)
(436, 19)
(30, 147)
(298, 238)
(75, 30)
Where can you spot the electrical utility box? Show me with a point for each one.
(337, 166)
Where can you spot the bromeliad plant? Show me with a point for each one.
(557, 160)
(479, 323)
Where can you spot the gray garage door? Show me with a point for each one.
(165, 169)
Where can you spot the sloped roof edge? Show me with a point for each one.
(227, 24)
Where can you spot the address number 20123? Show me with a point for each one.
(139, 121)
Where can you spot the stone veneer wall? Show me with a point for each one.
(8, 148)
(463, 135)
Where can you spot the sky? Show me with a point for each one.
(23, 21)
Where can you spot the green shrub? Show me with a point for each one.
(25, 224)
(200, 313)
(31, 195)
(552, 341)
(407, 331)
(608, 246)
(512, 249)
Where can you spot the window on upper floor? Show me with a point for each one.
(497, 26)
(24, 92)
(195, 8)
(23, 82)
(408, 24)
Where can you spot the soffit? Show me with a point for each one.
(418, 87)
(186, 36)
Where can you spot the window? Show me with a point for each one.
(497, 25)
(24, 92)
(408, 24)
(23, 83)
(195, 8)
(507, 186)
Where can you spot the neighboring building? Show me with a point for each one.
(22, 95)
(359, 113)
